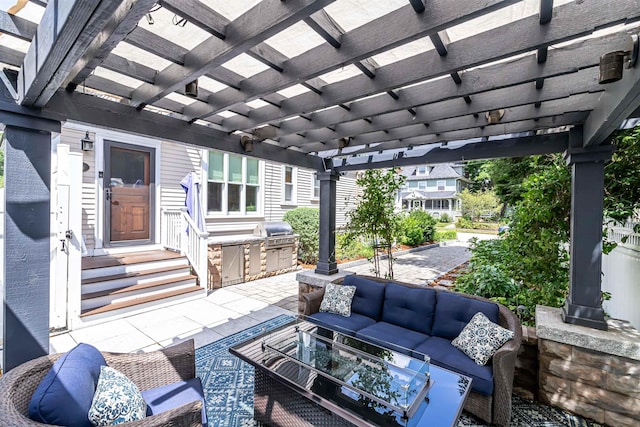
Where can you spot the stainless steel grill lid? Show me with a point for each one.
(273, 228)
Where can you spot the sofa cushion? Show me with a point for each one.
(117, 400)
(347, 325)
(391, 336)
(454, 311)
(445, 355)
(411, 308)
(337, 299)
(64, 395)
(481, 338)
(368, 298)
(163, 398)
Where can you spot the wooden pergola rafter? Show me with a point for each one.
(342, 84)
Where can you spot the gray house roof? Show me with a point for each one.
(440, 171)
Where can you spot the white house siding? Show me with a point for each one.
(72, 138)
(177, 161)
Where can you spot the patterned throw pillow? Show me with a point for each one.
(481, 338)
(117, 400)
(337, 299)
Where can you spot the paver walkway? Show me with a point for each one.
(234, 308)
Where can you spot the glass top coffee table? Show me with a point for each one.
(310, 375)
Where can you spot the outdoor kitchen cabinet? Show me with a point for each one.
(232, 265)
(279, 259)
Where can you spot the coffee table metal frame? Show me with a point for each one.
(280, 400)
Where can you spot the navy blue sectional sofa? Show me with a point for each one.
(419, 320)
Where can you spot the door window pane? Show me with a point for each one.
(233, 198)
(214, 196)
(235, 169)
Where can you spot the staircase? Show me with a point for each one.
(113, 285)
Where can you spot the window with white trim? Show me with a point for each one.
(289, 184)
(233, 184)
(316, 187)
(441, 185)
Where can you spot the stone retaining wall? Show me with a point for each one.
(603, 387)
(593, 373)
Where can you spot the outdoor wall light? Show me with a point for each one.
(191, 89)
(87, 143)
(494, 116)
(612, 63)
(247, 143)
(344, 142)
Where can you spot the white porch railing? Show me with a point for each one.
(620, 233)
(192, 244)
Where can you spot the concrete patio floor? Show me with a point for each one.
(234, 308)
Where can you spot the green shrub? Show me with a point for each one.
(351, 248)
(441, 235)
(484, 226)
(464, 223)
(417, 227)
(306, 223)
(445, 218)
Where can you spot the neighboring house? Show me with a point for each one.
(124, 195)
(433, 188)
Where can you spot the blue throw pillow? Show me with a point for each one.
(411, 308)
(117, 400)
(454, 311)
(65, 394)
(368, 298)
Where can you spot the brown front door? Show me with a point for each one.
(129, 192)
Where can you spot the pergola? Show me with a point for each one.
(331, 85)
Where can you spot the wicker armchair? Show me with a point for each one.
(146, 370)
(494, 409)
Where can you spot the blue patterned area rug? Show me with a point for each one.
(227, 381)
(228, 387)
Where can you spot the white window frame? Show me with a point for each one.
(444, 184)
(224, 208)
(294, 189)
(315, 185)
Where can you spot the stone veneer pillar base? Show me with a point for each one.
(592, 373)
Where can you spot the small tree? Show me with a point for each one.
(306, 223)
(374, 217)
(474, 205)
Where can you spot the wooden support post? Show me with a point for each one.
(326, 252)
(27, 245)
(584, 303)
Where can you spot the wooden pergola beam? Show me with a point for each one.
(510, 147)
(583, 102)
(16, 26)
(396, 28)
(264, 20)
(570, 21)
(562, 60)
(112, 115)
(618, 103)
(69, 35)
(531, 125)
(523, 94)
(123, 21)
(198, 14)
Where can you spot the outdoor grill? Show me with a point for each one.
(277, 234)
